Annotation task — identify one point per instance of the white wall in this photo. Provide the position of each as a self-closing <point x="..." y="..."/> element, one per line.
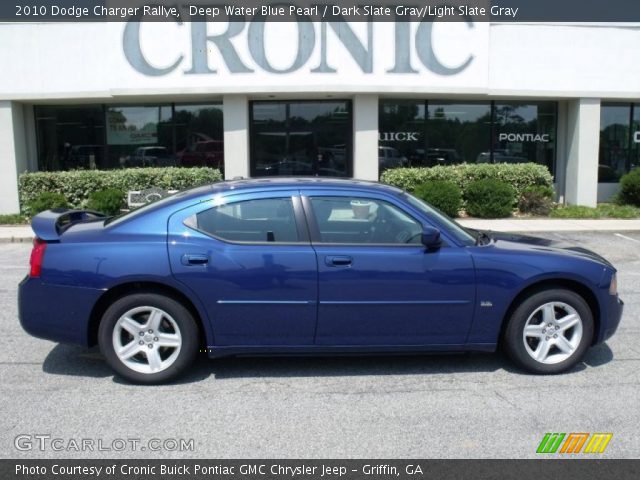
<point x="87" y="60"/>
<point x="574" y="60"/>
<point x="365" y="139"/>
<point x="236" y="136"/>
<point x="12" y="155"/>
<point x="583" y="140"/>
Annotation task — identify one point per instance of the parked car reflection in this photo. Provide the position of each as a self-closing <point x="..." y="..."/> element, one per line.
<point x="389" y="157"/>
<point x="203" y="153"/>
<point x="83" y="156"/>
<point x="153" y="156"/>
<point x="500" y="156"/>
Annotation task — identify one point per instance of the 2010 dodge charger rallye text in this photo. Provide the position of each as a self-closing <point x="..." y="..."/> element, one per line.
<point x="306" y="266"/>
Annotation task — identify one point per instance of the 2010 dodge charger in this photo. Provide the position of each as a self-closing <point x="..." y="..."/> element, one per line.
<point x="304" y="266"/>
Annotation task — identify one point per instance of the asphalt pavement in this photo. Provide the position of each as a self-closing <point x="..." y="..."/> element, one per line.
<point x="457" y="406"/>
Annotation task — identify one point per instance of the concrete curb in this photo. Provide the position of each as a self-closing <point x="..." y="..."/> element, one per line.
<point x="553" y="225"/>
<point x="16" y="239"/>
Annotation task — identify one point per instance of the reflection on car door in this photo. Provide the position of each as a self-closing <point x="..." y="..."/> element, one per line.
<point x="377" y="284"/>
<point x="250" y="262"/>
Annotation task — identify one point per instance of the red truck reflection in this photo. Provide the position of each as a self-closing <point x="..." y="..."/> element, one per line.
<point x="204" y="153"/>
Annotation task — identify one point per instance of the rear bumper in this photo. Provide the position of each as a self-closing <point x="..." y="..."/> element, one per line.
<point x="56" y="312"/>
<point x="610" y="319"/>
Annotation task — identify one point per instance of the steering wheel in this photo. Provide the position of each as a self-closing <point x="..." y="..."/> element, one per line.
<point x="405" y="236"/>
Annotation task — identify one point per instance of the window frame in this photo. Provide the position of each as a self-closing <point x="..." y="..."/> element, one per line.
<point x="298" y="215"/>
<point x="287" y="102"/>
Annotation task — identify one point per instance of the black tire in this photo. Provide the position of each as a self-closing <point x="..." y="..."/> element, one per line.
<point x="182" y="319"/>
<point x="514" y="343"/>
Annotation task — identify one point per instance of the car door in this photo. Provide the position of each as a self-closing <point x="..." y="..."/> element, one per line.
<point x="378" y="285"/>
<point x="248" y="259"/>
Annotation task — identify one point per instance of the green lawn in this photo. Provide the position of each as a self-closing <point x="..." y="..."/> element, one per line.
<point x="603" y="210"/>
<point x="14" y="219"/>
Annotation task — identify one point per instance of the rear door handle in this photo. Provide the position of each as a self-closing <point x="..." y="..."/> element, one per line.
<point x="338" y="261"/>
<point x="194" y="259"/>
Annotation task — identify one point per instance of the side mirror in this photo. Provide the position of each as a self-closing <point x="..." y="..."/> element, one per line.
<point x="431" y="238"/>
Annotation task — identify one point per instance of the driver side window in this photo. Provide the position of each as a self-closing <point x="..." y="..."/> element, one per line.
<point x="355" y="220"/>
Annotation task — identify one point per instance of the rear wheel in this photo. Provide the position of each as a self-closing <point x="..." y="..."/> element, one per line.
<point x="549" y="332"/>
<point x="148" y="338"/>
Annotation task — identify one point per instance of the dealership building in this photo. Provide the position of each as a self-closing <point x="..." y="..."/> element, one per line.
<point x="331" y="99"/>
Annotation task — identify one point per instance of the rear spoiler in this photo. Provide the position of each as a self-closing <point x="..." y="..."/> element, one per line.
<point x="50" y="224"/>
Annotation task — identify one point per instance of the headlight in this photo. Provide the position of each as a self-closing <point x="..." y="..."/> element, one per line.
<point x="613" y="286"/>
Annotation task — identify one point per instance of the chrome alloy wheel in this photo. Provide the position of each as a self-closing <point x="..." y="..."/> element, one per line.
<point x="552" y="332"/>
<point x="147" y="339"/>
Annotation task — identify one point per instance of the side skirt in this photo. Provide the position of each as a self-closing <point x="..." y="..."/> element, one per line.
<point x="323" y="350"/>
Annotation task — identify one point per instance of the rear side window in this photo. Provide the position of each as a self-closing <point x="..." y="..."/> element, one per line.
<point x="256" y="221"/>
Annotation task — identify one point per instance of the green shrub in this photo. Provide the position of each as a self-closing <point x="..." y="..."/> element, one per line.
<point x="106" y="201"/>
<point x="519" y="176"/>
<point x="630" y="188"/>
<point x="47" y="201"/>
<point x="77" y="185"/>
<point x="445" y="196"/>
<point x="489" y="198"/>
<point x="536" y="200"/>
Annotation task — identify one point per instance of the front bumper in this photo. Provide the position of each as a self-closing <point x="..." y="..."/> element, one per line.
<point x="610" y="318"/>
<point x="56" y="312"/>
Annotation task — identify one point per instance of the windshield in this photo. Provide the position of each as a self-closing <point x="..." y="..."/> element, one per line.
<point x="454" y="229"/>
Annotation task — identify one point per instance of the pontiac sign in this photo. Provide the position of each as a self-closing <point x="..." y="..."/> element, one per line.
<point x="412" y="49"/>
<point x="525" y="137"/>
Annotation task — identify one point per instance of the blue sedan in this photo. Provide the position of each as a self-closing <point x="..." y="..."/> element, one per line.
<point x="307" y="266"/>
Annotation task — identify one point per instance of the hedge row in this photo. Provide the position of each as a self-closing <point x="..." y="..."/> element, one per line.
<point x="78" y="185"/>
<point x="519" y="176"/>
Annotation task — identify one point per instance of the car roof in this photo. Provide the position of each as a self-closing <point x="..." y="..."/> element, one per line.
<point x="283" y="183"/>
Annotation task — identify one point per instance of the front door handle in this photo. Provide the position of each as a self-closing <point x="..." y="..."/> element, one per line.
<point x="194" y="259"/>
<point x="338" y="261"/>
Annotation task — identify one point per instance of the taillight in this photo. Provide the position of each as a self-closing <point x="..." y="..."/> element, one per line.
<point x="37" y="255"/>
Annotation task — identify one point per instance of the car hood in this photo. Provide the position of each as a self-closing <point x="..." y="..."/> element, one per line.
<point x="526" y="242"/>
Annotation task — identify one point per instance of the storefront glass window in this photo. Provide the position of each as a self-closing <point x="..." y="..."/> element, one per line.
<point x="301" y="138"/>
<point x="401" y="134"/>
<point x="70" y="137"/>
<point x="615" y="142"/>
<point x="525" y="132"/>
<point x="462" y="132"/>
<point x="458" y="132"/>
<point x="140" y="136"/>
<point x="103" y="137"/>
<point x="634" y="156"/>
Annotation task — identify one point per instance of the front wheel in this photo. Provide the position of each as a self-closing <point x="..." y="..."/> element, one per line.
<point x="148" y="338"/>
<point x="549" y="332"/>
